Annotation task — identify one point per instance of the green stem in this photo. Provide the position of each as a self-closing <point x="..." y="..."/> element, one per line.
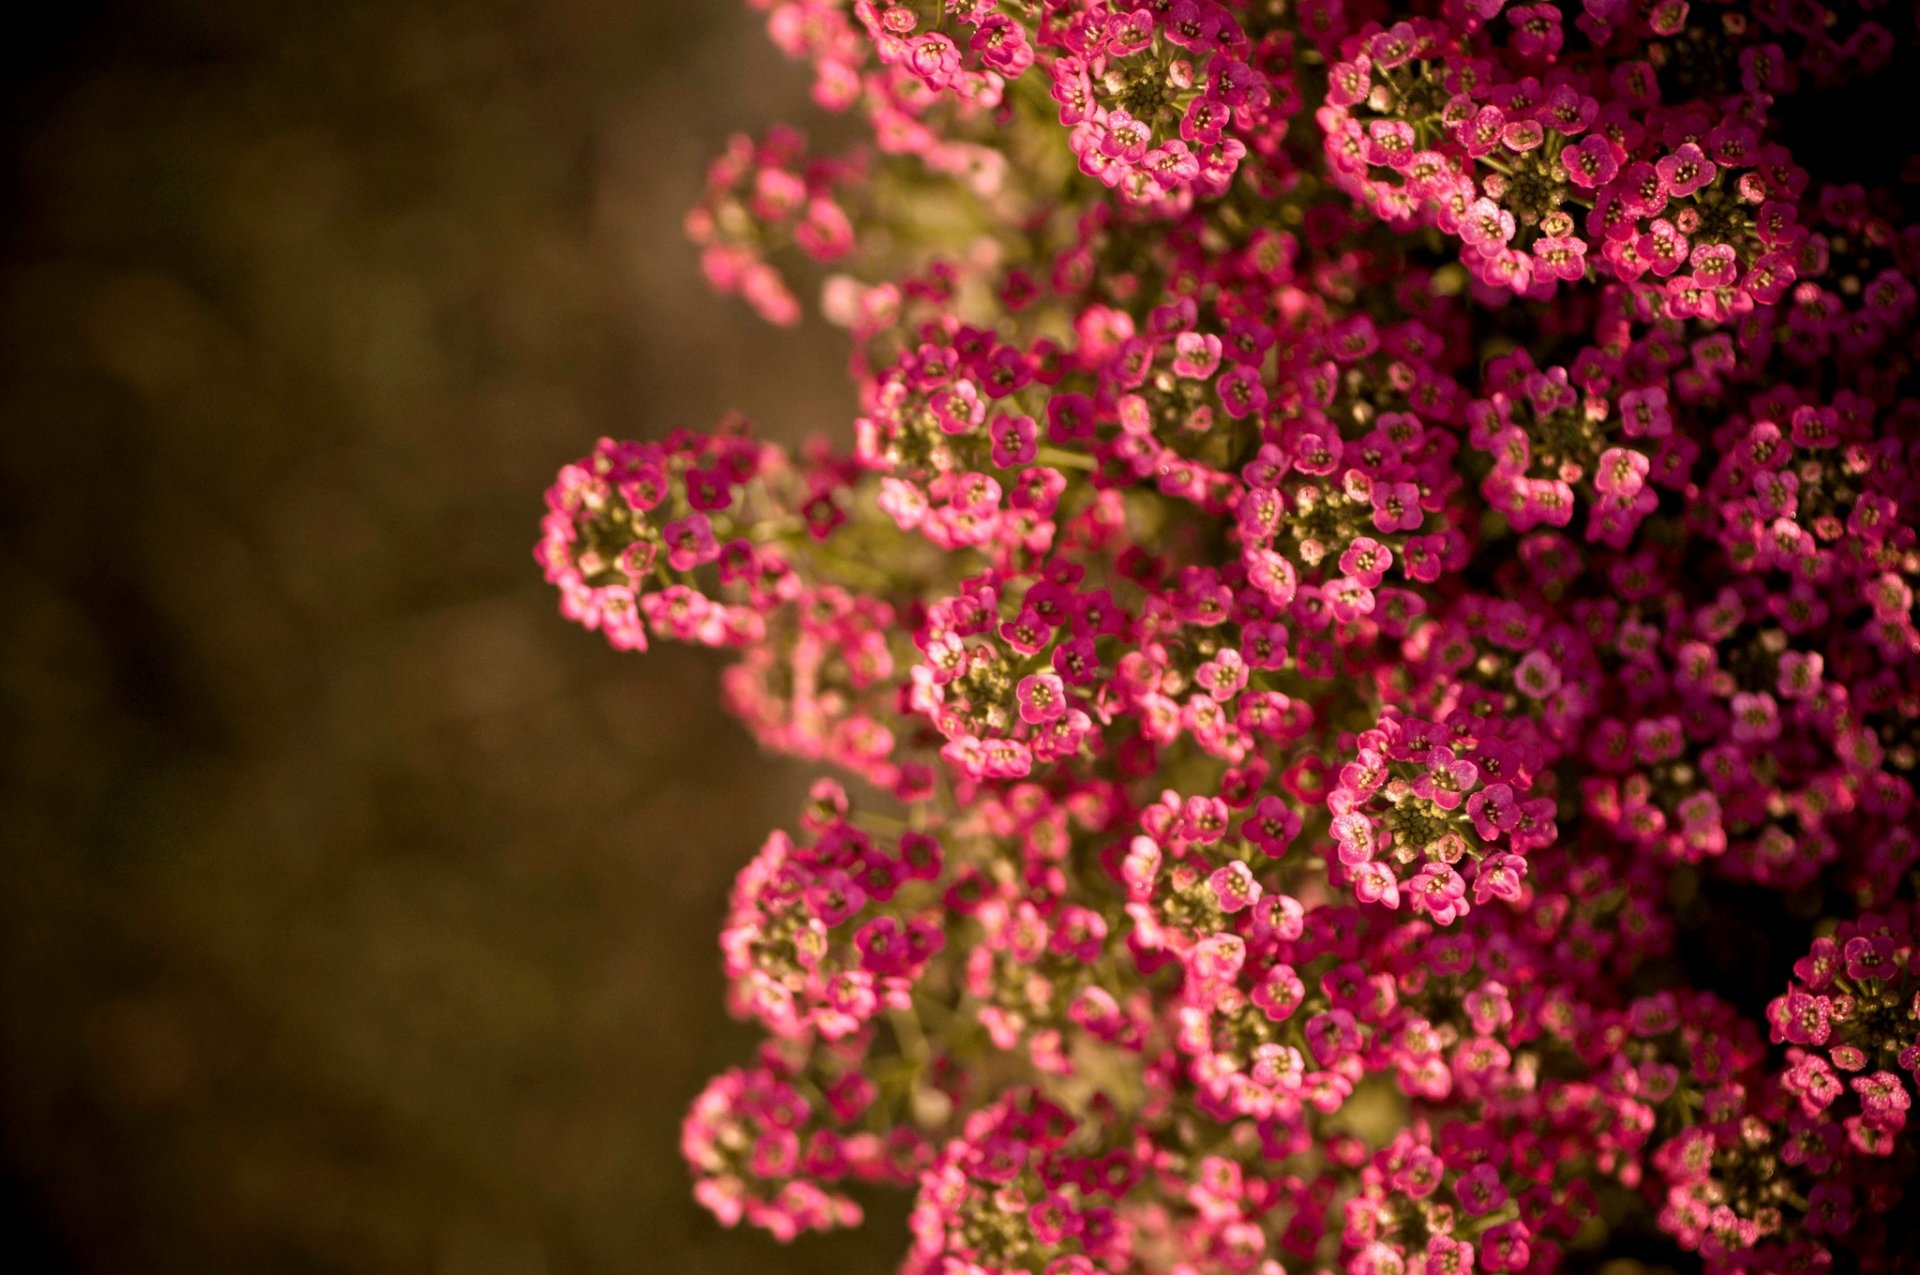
<point x="1061" y="459"/>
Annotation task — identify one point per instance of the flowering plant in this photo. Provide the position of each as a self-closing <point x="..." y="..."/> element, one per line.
<point x="1366" y="632"/>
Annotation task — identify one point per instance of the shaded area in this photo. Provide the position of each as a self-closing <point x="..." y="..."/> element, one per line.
<point x="1851" y="132"/>
<point x="362" y="913"/>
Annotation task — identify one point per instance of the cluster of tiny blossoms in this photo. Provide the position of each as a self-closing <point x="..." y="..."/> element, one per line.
<point x="1363" y="641"/>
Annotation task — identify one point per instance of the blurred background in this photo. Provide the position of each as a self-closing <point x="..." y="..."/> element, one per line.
<point x="359" y="914"/>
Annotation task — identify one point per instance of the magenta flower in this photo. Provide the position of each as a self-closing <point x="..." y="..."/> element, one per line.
<point x="1439" y="892"/>
<point x="1234" y="887"/>
<point x="1375" y="883"/>
<point x="934" y="59"/>
<point x="1224" y="675"/>
<point x="1280" y="993"/>
<point x="1487" y="226"/>
<point x="1367" y="560"/>
<point x="1621" y="471"/>
<point x="959" y="407"/>
<point x="1196" y="355"/>
<point x="1755" y="717"/>
<point x="1562" y="257"/>
<point x="1124" y="138"/>
<point x="690" y="542"/>
<point x="1447" y="778"/>
<point x="1685" y="171"/>
<point x="1042" y="696"/>
<point x="1271" y="826"/>
<point x="1459" y="458"/>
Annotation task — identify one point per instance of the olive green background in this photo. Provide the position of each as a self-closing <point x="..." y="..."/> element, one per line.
<point x="359" y="914"/>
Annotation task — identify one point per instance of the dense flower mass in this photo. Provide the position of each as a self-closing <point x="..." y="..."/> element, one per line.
<point x="1365" y="632"/>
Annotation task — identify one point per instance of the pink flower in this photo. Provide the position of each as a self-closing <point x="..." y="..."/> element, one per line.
<point x="1755" y="717"/>
<point x="1447" y="778"/>
<point x="1536" y="676"/>
<point x="959" y="407"/>
<point x="1480" y="1190"/>
<point x="1884" y="1100"/>
<point x="1002" y="44"/>
<point x="1500" y="876"/>
<point x="1375" y="883"/>
<point x="1644" y="413"/>
<point x="1280" y="993"/>
<point x="1196" y="355"/>
<point x="1487" y="226"/>
<point x="1042" y="696"/>
<point x="1686" y="171"/>
<point x="1563" y="257"/>
<point x="690" y="542"/>
<point x="1643" y="189"/>
<point x="1241" y="392"/>
<point x="1263" y="645"/>
<point x="1396" y="507"/>
<point x="1224" y="675"/>
<point x="1505" y="1248"/>
<point x="1332" y="1036"/>
<point x="1439" y="892"/>
<point x="1234" y="887"/>
<point x="1366" y="560"/>
<point x="1536" y="30"/>
<point x="1621" y="471"/>
<point x="934" y="58"/>
<point x="1271" y="826"/>
<point x="1493" y="810"/>
<point x="1124" y="138"/>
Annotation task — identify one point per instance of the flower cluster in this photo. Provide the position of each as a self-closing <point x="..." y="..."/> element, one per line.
<point x="764" y="198"/>
<point x="1366" y="625"/>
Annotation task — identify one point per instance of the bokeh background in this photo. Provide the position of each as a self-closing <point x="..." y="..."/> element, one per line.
<point x="358" y="914"/>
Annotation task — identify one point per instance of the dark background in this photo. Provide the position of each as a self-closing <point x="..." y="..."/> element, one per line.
<point x="358" y="913"/>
